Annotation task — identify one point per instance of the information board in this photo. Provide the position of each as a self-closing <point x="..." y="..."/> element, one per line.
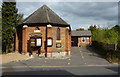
<point x="38" y="42"/>
<point x="49" y="42"/>
<point x="32" y="42"/>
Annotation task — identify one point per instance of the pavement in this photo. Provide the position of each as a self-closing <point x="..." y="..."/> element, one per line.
<point x="83" y="61"/>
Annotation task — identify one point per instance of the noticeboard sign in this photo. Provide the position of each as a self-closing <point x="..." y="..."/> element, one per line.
<point x="49" y="42"/>
<point x="38" y="41"/>
<point x="32" y="42"/>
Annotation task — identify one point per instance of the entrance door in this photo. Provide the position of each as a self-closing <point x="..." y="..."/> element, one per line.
<point x="34" y="44"/>
<point x="74" y="41"/>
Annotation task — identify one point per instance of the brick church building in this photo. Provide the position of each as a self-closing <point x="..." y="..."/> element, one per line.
<point x="44" y="31"/>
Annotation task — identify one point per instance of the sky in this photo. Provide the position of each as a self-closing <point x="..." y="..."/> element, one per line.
<point x="77" y="14"/>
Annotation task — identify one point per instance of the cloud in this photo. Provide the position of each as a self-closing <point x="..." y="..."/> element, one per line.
<point x="77" y="14"/>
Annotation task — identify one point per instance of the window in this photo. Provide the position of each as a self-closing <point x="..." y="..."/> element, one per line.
<point x="58" y="34"/>
<point x="87" y="38"/>
<point x="83" y="39"/>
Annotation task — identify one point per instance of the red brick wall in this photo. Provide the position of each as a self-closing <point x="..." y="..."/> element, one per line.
<point x="68" y="40"/>
<point x="87" y="41"/>
<point x="51" y="32"/>
<point x="16" y="43"/>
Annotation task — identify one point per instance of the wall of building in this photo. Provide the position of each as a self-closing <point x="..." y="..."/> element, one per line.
<point x="51" y="32"/>
<point x="86" y="43"/>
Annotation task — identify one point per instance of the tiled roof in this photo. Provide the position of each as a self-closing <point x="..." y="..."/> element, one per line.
<point x="44" y="15"/>
<point x="81" y="33"/>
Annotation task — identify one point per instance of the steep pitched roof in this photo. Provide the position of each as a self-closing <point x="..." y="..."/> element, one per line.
<point x="81" y="33"/>
<point x="45" y="15"/>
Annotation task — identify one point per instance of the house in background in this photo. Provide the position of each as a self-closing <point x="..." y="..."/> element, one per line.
<point x="44" y="31"/>
<point x="81" y="38"/>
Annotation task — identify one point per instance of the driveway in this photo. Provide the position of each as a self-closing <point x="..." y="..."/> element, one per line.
<point x="86" y="56"/>
<point x="79" y="57"/>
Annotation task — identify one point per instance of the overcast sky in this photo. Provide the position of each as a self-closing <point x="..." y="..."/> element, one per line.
<point x="77" y="14"/>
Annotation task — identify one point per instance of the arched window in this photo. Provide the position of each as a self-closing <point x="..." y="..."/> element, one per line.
<point x="58" y="33"/>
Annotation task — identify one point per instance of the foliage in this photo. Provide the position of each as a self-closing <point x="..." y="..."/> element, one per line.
<point x="102" y="37"/>
<point x="79" y="29"/>
<point x="10" y="20"/>
<point x="92" y="28"/>
<point x="0" y="20"/>
<point x="117" y="28"/>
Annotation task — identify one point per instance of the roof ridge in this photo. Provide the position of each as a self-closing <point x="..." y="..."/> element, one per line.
<point x="47" y="15"/>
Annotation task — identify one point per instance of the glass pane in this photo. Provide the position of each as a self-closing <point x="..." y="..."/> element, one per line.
<point x="58" y="34"/>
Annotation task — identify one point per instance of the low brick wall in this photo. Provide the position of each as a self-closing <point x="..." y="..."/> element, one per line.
<point x="53" y="54"/>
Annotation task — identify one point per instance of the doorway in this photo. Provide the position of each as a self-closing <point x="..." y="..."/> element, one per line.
<point x="35" y="43"/>
<point x="74" y="41"/>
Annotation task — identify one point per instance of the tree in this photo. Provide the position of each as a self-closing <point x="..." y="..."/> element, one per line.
<point x="0" y="20"/>
<point x="111" y="36"/>
<point x="10" y="20"/>
<point x="92" y="28"/>
<point x="105" y="36"/>
<point x="117" y="28"/>
<point x="79" y="29"/>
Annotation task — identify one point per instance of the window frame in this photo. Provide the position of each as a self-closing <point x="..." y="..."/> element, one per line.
<point x="58" y="34"/>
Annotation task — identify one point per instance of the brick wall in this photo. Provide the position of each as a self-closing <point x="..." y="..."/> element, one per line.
<point x="16" y="43"/>
<point x="65" y="39"/>
<point x="87" y="41"/>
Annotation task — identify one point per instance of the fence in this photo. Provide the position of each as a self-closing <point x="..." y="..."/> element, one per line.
<point x="104" y="46"/>
<point x="106" y="50"/>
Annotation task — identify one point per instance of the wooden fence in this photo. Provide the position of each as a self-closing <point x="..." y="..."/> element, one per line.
<point x="105" y="46"/>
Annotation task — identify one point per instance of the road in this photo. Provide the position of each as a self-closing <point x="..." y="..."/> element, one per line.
<point x="83" y="62"/>
<point x="59" y="70"/>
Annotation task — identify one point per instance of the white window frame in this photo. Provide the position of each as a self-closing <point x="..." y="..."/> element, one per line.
<point x="87" y="38"/>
